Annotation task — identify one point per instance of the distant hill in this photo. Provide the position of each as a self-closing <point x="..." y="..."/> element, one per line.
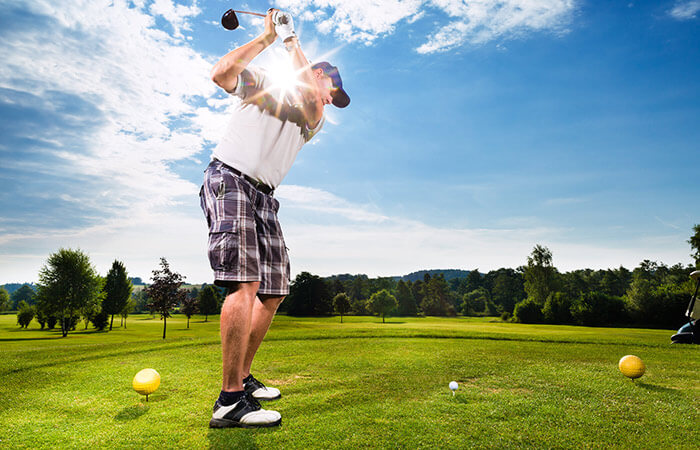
<point x="449" y="274"/>
<point x="412" y="277"/>
<point x="12" y="287"/>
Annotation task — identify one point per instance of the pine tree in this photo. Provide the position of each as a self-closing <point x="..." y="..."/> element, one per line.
<point x="117" y="290"/>
<point x="404" y="296"/>
<point x="189" y="307"/>
<point x="208" y="302"/>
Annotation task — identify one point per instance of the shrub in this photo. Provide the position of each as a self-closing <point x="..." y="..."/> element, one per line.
<point x="100" y="320"/>
<point x="557" y="308"/>
<point x="528" y="311"/>
<point x="25" y="314"/>
<point x="596" y="309"/>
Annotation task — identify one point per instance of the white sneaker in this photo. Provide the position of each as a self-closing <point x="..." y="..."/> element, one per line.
<point x="245" y="413"/>
<point x="258" y="390"/>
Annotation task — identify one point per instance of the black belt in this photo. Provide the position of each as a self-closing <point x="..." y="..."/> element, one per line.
<point x="262" y="187"/>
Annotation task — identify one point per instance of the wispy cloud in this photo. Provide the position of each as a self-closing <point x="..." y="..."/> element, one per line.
<point x="126" y="106"/>
<point x="473" y="22"/>
<point x="312" y="199"/>
<point x="667" y="223"/>
<point x="177" y="15"/>
<point x="685" y="10"/>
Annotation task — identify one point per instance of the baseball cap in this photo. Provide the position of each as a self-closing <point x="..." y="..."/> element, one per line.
<point x="340" y="97"/>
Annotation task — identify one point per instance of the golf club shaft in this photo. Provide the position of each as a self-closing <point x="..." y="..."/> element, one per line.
<point x="249" y="12"/>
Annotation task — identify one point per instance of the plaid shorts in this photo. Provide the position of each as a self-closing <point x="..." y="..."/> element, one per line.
<point x="245" y="237"/>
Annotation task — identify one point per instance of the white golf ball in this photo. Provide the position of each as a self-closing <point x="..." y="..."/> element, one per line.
<point x="453" y="385"/>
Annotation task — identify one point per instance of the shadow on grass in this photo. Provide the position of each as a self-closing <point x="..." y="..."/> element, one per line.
<point x="44" y="338"/>
<point x="166" y="345"/>
<point x="655" y="388"/>
<point x="238" y="438"/>
<point x="131" y="412"/>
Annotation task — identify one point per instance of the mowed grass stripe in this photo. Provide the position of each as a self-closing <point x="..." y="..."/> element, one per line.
<point x="360" y="391"/>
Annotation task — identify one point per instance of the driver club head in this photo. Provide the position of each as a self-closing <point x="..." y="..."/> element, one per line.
<point x="229" y="20"/>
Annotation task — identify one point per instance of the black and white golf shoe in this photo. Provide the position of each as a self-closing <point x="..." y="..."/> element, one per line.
<point x="245" y="413"/>
<point x="258" y="390"/>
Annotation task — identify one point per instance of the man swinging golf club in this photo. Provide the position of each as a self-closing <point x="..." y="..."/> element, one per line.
<point x="246" y="246"/>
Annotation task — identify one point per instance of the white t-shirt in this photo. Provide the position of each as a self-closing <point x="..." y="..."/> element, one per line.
<point x="264" y="133"/>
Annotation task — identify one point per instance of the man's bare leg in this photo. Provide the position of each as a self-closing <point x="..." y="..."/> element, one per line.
<point x="264" y="310"/>
<point x="236" y="322"/>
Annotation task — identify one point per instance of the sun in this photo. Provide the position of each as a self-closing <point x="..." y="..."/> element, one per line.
<point x="283" y="76"/>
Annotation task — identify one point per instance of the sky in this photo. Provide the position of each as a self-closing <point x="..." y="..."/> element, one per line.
<point x="476" y="130"/>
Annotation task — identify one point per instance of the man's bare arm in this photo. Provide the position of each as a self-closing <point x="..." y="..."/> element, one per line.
<point x="313" y="105"/>
<point x="225" y="72"/>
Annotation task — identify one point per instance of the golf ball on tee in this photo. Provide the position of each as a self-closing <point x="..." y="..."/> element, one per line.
<point x="146" y="381"/>
<point x="453" y="385"/>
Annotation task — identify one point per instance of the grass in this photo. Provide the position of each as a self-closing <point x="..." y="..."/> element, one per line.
<point x="357" y="384"/>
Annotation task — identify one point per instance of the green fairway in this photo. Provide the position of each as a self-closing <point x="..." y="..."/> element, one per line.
<point x="357" y="384"/>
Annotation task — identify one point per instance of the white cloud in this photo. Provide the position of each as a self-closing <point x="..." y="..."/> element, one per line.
<point x="685" y="10"/>
<point x="145" y="87"/>
<point x="481" y="21"/>
<point x="353" y="20"/>
<point x="474" y="22"/>
<point x="176" y="15"/>
<point x="312" y="199"/>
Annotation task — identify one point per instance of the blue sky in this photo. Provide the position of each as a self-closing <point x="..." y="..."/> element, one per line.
<point x="476" y="130"/>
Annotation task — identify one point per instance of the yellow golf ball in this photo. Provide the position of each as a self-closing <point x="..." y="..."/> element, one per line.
<point x="632" y="366"/>
<point x="146" y="381"/>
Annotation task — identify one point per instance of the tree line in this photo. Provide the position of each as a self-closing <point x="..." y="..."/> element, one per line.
<point x="70" y="291"/>
<point x="651" y="295"/>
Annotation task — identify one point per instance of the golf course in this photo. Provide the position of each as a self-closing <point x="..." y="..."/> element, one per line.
<point x="362" y="383"/>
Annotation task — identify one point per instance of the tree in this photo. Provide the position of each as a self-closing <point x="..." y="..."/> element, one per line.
<point x="117" y="290"/>
<point x="25" y="293"/>
<point x="142" y="300"/>
<point x="189" y="307"/>
<point x="359" y="288"/>
<point x="473" y="281"/>
<point x="507" y="288"/>
<point x="694" y="242"/>
<point x="67" y="284"/>
<point x="90" y="310"/>
<point x="128" y="309"/>
<point x="25" y="314"/>
<point x="596" y="309"/>
<point x="341" y="303"/>
<point x="474" y="302"/>
<point x="382" y="303"/>
<point x="208" y="302"/>
<point x="4" y="299"/>
<point x="308" y="296"/>
<point x="541" y="277"/>
<point x="528" y="311"/>
<point x="165" y="292"/>
<point x="557" y="308"/>
<point x="404" y="296"/>
<point x="437" y="298"/>
<point x="100" y="320"/>
<point x="40" y="317"/>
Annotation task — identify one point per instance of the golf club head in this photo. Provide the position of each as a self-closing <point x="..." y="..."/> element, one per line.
<point x="229" y="20"/>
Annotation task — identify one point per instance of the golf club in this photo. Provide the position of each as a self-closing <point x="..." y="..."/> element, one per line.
<point x="230" y="21"/>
